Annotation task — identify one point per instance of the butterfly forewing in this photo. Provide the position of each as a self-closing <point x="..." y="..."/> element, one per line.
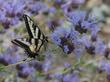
<point x="32" y="28"/>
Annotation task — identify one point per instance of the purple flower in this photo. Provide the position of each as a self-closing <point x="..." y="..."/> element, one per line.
<point x="9" y="56"/>
<point x="83" y="23"/>
<point x="79" y="51"/>
<point x="66" y="65"/>
<point x="7" y="59"/>
<point x="52" y="10"/>
<point x="56" y="39"/>
<point x="69" y="40"/>
<point x="66" y="49"/>
<point x="107" y="53"/>
<point x="2" y="15"/>
<point x="69" y="5"/>
<point x="36" y="6"/>
<point x="99" y="46"/>
<point x="105" y="66"/>
<point x="14" y="8"/>
<point x="55" y="81"/>
<point x="36" y="65"/>
<point x="76" y="16"/>
<point x="53" y="23"/>
<point x="62" y="37"/>
<point x="3" y="61"/>
<point x="20" y="67"/>
<point x="58" y="2"/>
<point x="46" y="65"/>
<point x="25" y="72"/>
<point x="57" y="76"/>
<point x="14" y="21"/>
<point x="80" y="36"/>
<point x="10" y="12"/>
<point x="71" y="77"/>
<point x="85" y="40"/>
<point x="96" y="46"/>
<point x="78" y="2"/>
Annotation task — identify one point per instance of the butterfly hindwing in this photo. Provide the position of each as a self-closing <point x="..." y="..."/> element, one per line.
<point x="22" y="42"/>
<point x="32" y="47"/>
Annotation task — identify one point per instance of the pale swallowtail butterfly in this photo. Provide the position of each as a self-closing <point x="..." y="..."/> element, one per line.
<point x="34" y="42"/>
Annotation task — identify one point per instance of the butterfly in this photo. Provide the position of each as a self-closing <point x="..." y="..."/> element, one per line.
<point x="36" y="39"/>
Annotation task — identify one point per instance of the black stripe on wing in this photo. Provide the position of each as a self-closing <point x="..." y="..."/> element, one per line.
<point x="32" y="28"/>
<point x="20" y="44"/>
<point x="39" y="44"/>
<point x="27" y="26"/>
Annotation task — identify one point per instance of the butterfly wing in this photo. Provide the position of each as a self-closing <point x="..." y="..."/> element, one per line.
<point x="32" y="28"/>
<point x="22" y="42"/>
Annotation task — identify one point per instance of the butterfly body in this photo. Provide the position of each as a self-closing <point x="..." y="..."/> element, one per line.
<point x="35" y="40"/>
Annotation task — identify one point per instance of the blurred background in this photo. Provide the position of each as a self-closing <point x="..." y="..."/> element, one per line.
<point x="75" y="62"/>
